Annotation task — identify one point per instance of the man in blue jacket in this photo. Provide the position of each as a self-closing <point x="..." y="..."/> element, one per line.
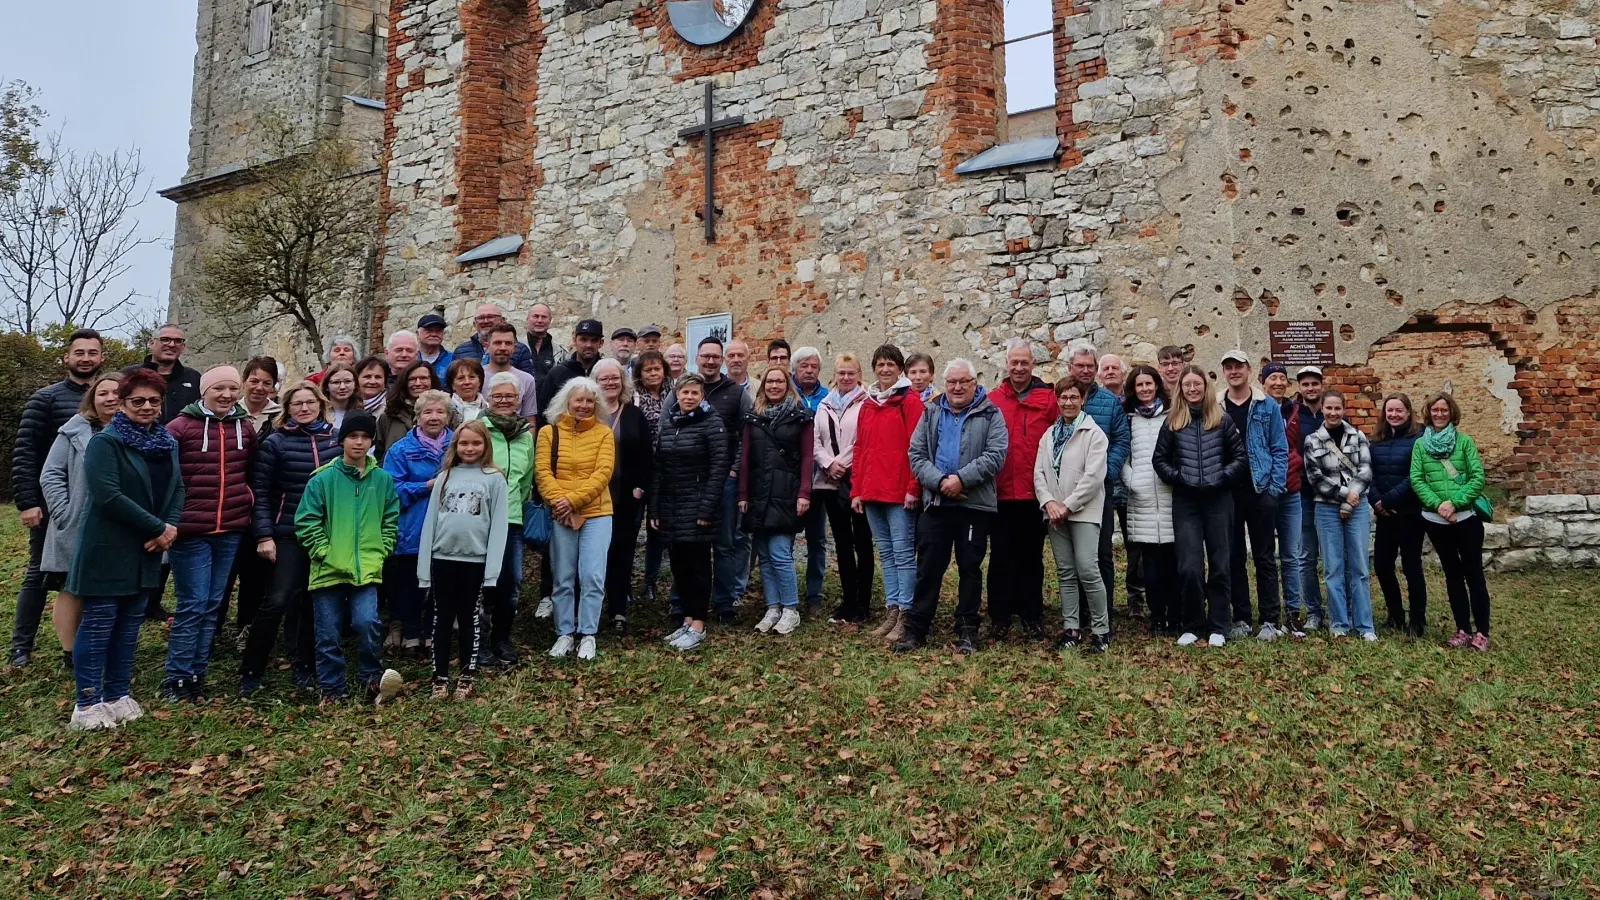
<point x="1106" y="410"/>
<point x="1255" y="502"/>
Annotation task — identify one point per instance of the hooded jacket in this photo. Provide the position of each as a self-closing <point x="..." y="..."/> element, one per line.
<point x="214" y="456"/>
<point x="981" y="452"/>
<point x="580" y="472"/>
<point x="691" y="468"/>
<point x="284" y="463"/>
<point x="1195" y="460"/>
<point x="1149" y="498"/>
<point x="42" y="418"/>
<point x="349" y="522"/>
<point x="882" y="472"/>
<point x="1266" y="442"/>
<point x="61" y="480"/>
<point x="1027" y="417"/>
<point x="836" y="429"/>
<point x="514" y="459"/>
<point x="775" y="471"/>
<point x="412" y="465"/>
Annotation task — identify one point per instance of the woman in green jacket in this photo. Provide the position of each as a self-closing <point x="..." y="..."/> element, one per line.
<point x="511" y="446"/>
<point x="1448" y="478"/>
<point x="134" y="496"/>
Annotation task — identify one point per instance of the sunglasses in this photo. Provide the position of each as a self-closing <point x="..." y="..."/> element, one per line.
<point x="137" y="402"/>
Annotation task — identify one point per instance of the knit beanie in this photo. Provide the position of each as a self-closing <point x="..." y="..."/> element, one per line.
<point x="357" y="421"/>
<point x="219" y="375"/>
<point x="1272" y="368"/>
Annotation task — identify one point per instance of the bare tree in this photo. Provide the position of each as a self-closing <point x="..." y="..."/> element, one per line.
<point x="295" y="242"/>
<point x="66" y="237"/>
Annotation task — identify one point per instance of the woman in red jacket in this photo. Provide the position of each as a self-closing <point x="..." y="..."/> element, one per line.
<point x="215" y="444"/>
<point x="883" y="488"/>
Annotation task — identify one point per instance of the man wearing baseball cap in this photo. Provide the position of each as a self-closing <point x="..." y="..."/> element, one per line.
<point x="430" y="340"/>
<point x="587" y="340"/>
<point x="622" y="341"/>
<point x="649" y="339"/>
<point x="1255" y="502"/>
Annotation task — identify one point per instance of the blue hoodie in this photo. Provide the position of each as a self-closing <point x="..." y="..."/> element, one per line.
<point x="947" y="455"/>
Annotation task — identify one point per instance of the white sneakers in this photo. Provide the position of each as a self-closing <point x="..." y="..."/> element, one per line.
<point x="546" y="609"/>
<point x="770" y="619"/>
<point x="1217" y="639"/>
<point x="788" y="622"/>
<point x="677" y="634"/>
<point x="91" y="718"/>
<point x="1269" y="632"/>
<point x="1370" y="637"/>
<point x="689" y="640"/>
<point x="1189" y="639"/>
<point x="561" y="647"/>
<point x="124" y="710"/>
<point x="389" y="685"/>
<point x="586" y="647"/>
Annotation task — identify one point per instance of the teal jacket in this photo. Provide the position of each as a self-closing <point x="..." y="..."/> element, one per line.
<point x="348" y="521"/>
<point x="1432" y="483"/>
<point x="110" y="560"/>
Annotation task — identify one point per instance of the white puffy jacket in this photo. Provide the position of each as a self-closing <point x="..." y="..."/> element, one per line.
<point x="1149" y="498"/>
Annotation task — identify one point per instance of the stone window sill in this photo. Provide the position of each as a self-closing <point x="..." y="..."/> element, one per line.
<point x="1016" y="153"/>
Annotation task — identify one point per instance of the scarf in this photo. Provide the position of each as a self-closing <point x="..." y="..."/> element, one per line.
<point x="374" y="405"/>
<point x="679" y="417"/>
<point x="1154" y="409"/>
<point x="879" y="396"/>
<point x="510" y="426"/>
<point x="151" y="443"/>
<point x="840" y="401"/>
<point x="432" y="445"/>
<point x="1439" y="444"/>
<point x="650" y="405"/>
<point x="1060" y="434"/>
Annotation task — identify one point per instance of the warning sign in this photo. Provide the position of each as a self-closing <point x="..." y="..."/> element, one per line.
<point x="1308" y="343"/>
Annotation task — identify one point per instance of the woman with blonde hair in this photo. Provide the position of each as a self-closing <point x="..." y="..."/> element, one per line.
<point x="575" y="457"/>
<point x="61" y="483"/>
<point x="1201" y="454"/>
<point x="775" y="491"/>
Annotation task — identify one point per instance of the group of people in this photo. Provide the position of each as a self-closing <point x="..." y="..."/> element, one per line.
<point x="413" y="482"/>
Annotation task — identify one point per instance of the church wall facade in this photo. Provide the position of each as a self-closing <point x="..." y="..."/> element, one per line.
<point x="1422" y="174"/>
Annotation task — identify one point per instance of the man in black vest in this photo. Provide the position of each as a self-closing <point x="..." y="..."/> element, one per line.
<point x="42" y="416"/>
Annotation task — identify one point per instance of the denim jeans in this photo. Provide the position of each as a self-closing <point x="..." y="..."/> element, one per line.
<point x="733" y="552"/>
<point x="1290" y="550"/>
<point x="200" y="568"/>
<point x="892" y="530"/>
<point x="1076" y="548"/>
<point x="102" y="653"/>
<point x="578" y="561"/>
<point x="334" y="607"/>
<point x="1344" y="554"/>
<point x="1310" y="581"/>
<point x="816" y="522"/>
<point x="780" y="583"/>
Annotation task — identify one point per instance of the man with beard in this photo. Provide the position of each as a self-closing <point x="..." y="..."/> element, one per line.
<point x="183" y="383"/>
<point x="622" y="341"/>
<point x="1107" y="412"/>
<point x="42" y="416"/>
<point x="502" y="349"/>
<point x="587" y="341"/>
<point x="649" y="339"/>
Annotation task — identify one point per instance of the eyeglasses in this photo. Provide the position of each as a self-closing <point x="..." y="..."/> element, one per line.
<point x="503" y="398"/>
<point x="171" y="341"/>
<point x="959" y="382"/>
<point x="142" y="401"/>
<point x="303" y="404"/>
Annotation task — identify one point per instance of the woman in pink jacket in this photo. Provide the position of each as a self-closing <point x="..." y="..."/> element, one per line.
<point x="834" y="444"/>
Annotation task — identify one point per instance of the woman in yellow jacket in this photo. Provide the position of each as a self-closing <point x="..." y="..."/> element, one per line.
<point x="574" y="461"/>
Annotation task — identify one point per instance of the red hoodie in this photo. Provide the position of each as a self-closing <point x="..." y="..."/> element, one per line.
<point x="1027" y="420"/>
<point x="882" y="472"/>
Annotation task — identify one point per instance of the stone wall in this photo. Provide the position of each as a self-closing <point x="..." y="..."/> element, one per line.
<point x="1555" y="530"/>
<point x="1224" y="164"/>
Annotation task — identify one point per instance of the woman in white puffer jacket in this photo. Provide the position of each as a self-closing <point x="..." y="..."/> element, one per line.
<point x="1150" y="499"/>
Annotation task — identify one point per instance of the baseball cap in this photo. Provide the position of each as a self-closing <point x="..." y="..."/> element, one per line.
<point x="623" y="332"/>
<point x="650" y="331"/>
<point x="1237" y="356"/>
<point x="590" y="328"/>
<point x="432" y="320"/>
<point x="1308" y="370"/>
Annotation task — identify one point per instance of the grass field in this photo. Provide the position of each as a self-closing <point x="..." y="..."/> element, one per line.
<point x="822" y="766"/>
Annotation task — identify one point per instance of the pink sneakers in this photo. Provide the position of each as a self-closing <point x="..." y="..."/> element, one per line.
<point x="1480" y="641"/>
<point x="1461" y="639"/>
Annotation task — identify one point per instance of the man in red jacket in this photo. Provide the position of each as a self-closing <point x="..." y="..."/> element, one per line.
<point x="1016" y="561"/>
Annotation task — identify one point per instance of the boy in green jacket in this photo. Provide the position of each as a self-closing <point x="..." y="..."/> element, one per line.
<point x="348" y="521"/>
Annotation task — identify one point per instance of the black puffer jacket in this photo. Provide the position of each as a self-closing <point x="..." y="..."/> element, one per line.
<point x="691" y="469"/>
<point x="284" y="463"/>
<point x="776" y="470"/>
<point x="42" y="416"/>
<point x="1201" y="461"/>
<point x="1391" y="474"/>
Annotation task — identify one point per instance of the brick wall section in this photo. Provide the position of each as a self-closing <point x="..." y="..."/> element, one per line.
<point x="1072" y="70"/>
<point x="741" y="51"/>
<point x="969" y="90"/>
<point x="395" y="90"/>
<point x="498" y="90"/>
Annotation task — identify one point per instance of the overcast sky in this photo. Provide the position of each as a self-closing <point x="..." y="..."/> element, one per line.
<point x="114" y="74"/>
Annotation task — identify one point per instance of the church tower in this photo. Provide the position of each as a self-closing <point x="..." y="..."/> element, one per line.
<point x="316" y="65"/>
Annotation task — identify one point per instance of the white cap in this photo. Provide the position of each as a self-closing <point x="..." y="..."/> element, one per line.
<point x="1307" y="370"/>
<point x="1237" y="356"/>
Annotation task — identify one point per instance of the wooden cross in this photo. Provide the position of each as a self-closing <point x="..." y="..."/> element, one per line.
<point x="707" y="131"/>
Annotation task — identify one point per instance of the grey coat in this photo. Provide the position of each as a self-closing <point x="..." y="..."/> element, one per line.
<point x="984" y="442"/>
<point x="61" y="481"/>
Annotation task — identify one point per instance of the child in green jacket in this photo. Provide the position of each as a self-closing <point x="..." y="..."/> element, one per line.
<point x="348" y="521"/>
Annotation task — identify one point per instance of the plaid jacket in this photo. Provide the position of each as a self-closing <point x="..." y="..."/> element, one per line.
<point x="1331" y="479"/>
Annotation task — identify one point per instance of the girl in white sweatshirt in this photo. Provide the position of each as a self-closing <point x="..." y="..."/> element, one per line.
<point x="463" y="541"/>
